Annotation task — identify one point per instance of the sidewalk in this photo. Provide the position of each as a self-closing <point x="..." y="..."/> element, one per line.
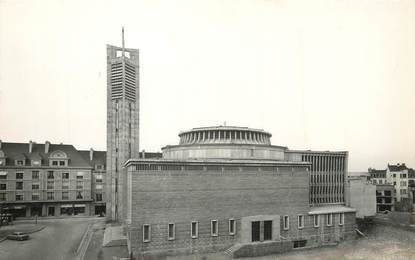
<point x="25" y="228"/>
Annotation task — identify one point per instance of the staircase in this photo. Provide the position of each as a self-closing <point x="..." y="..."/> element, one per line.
<point x="229" y="252"/>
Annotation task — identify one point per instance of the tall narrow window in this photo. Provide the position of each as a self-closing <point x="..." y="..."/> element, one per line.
<point x="255" y="231"/>
<point x="268" y="230"/>
<point x="171" y="231"/>
<point x="316" y="220"/>
<point x="286" y="223"/>
<point x="329" y="218"/>
<point x="194" y="229"/>
<point x="146" y="233"/>
<point x="300" y="221"/>
<point x="232" y="227"/>
<point x="214" y="228"/>
<point x="341" y="219"/>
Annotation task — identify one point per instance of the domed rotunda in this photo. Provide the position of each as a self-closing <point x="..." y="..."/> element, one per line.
<point x="224" y="142"/>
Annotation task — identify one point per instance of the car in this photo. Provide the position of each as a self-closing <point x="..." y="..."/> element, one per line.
<point x="20" y="236"/>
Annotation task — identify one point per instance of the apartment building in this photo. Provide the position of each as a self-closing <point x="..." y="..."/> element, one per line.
<point x="46" y="180"/>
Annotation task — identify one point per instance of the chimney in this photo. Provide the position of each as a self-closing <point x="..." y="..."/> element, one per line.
<point x="91" y="154"/>
<point x="30" y="146"/>
<point x="47" y="144"/>
<point x="143" y="154"/>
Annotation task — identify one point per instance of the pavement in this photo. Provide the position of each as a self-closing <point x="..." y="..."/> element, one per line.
<point x="59" y="240"/>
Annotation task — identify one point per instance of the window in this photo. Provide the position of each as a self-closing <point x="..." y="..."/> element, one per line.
<point x="65" y="185"/>
<point x="214" y="228"/>
<point x="35" y="186"/>
<point x="19" y="175"/>
<point x="98" y="178"/>
<point x="98" y="197"/>
<point x="19" y="185"/>
<point x="50" y="175"/>
<point x="341" y="219"/>
<point x="394" y="175"/>
<point x="80" y="175"/>
<point x="80" y="185"/>
<point x="394" y="183"/>
<point x="286" y="223"/>
<point x="79" y="195"/>
<point x="19" y="196"/>
<point x="316" y="220"/>
<point x="403" y="175"/>
<point x="65" y="175"/>
<point x="329" y="219"/>
<point x="255" y="231"/>
<point x="380" y="182"/>
<point x="146" y="233"/>
<point x="50" y="196"/>
<point x="61" y="163"/>
<point x="3" y="175"/>
<point x="19" y="162"/>
<point x="55" y="163"/>
<point x="300" y="221"/>
<point x="374" y="182"/>
<point x="403" y="183"/>
<point x="299" y="243"/>
<point x="50" y="185"/>
<point x="3" y="196"/>
<point x="35" y="196"/>
<point x="100" y="167"/>
<point x="3" y="186"/>
<point x="388" y="193"/>
<point x="65" y="195"/>
<point x="35" y="175"/>
<point x="171" y="231"/>
<point x="232" y="227"/>
<point x="267" y="230"/>
<point x="403" y="191"/>
<point x="194" y="229"/>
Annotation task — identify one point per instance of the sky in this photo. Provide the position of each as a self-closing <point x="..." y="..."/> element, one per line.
<point x="321" y="75"/>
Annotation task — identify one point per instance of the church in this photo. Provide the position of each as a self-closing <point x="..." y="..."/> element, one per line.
<point x="220" y="189"/>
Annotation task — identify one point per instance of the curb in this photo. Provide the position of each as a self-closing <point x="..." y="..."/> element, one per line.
<point x="84" y="244"/>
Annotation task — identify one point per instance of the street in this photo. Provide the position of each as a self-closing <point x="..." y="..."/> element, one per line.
<point x="58" y="241"/>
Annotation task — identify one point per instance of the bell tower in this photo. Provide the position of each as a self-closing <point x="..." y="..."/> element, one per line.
<point x="122" y="123"/>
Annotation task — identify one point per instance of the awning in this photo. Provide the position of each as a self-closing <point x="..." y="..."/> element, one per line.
<point x="3" y="173"/>
<point x="79" y="205"/>
<point x="79" y="174"/>
<point x="330" y="209"/>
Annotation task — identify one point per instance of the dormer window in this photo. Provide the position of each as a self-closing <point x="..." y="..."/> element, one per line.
<point x="19" y="162"/>
<point x="58" y="159"/>
<point x="35" y="162"/>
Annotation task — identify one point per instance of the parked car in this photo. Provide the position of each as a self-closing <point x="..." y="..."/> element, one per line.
<point x="18" y="236"/>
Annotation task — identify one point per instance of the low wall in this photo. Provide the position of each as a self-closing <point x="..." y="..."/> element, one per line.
<point x="264" y="248"/>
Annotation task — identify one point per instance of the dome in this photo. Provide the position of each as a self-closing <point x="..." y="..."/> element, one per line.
<point x="225" y="135"/>
<point x="224" y="142"/>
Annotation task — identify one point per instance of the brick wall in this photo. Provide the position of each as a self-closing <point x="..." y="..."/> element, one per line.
<point x="162" y="197"/>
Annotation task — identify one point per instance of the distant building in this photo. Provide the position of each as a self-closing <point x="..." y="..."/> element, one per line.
<point x="398" y="175"/>
<point x="361" y="194"/>
<point x="49" y="180"/>
<point x="385" y="198"/>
